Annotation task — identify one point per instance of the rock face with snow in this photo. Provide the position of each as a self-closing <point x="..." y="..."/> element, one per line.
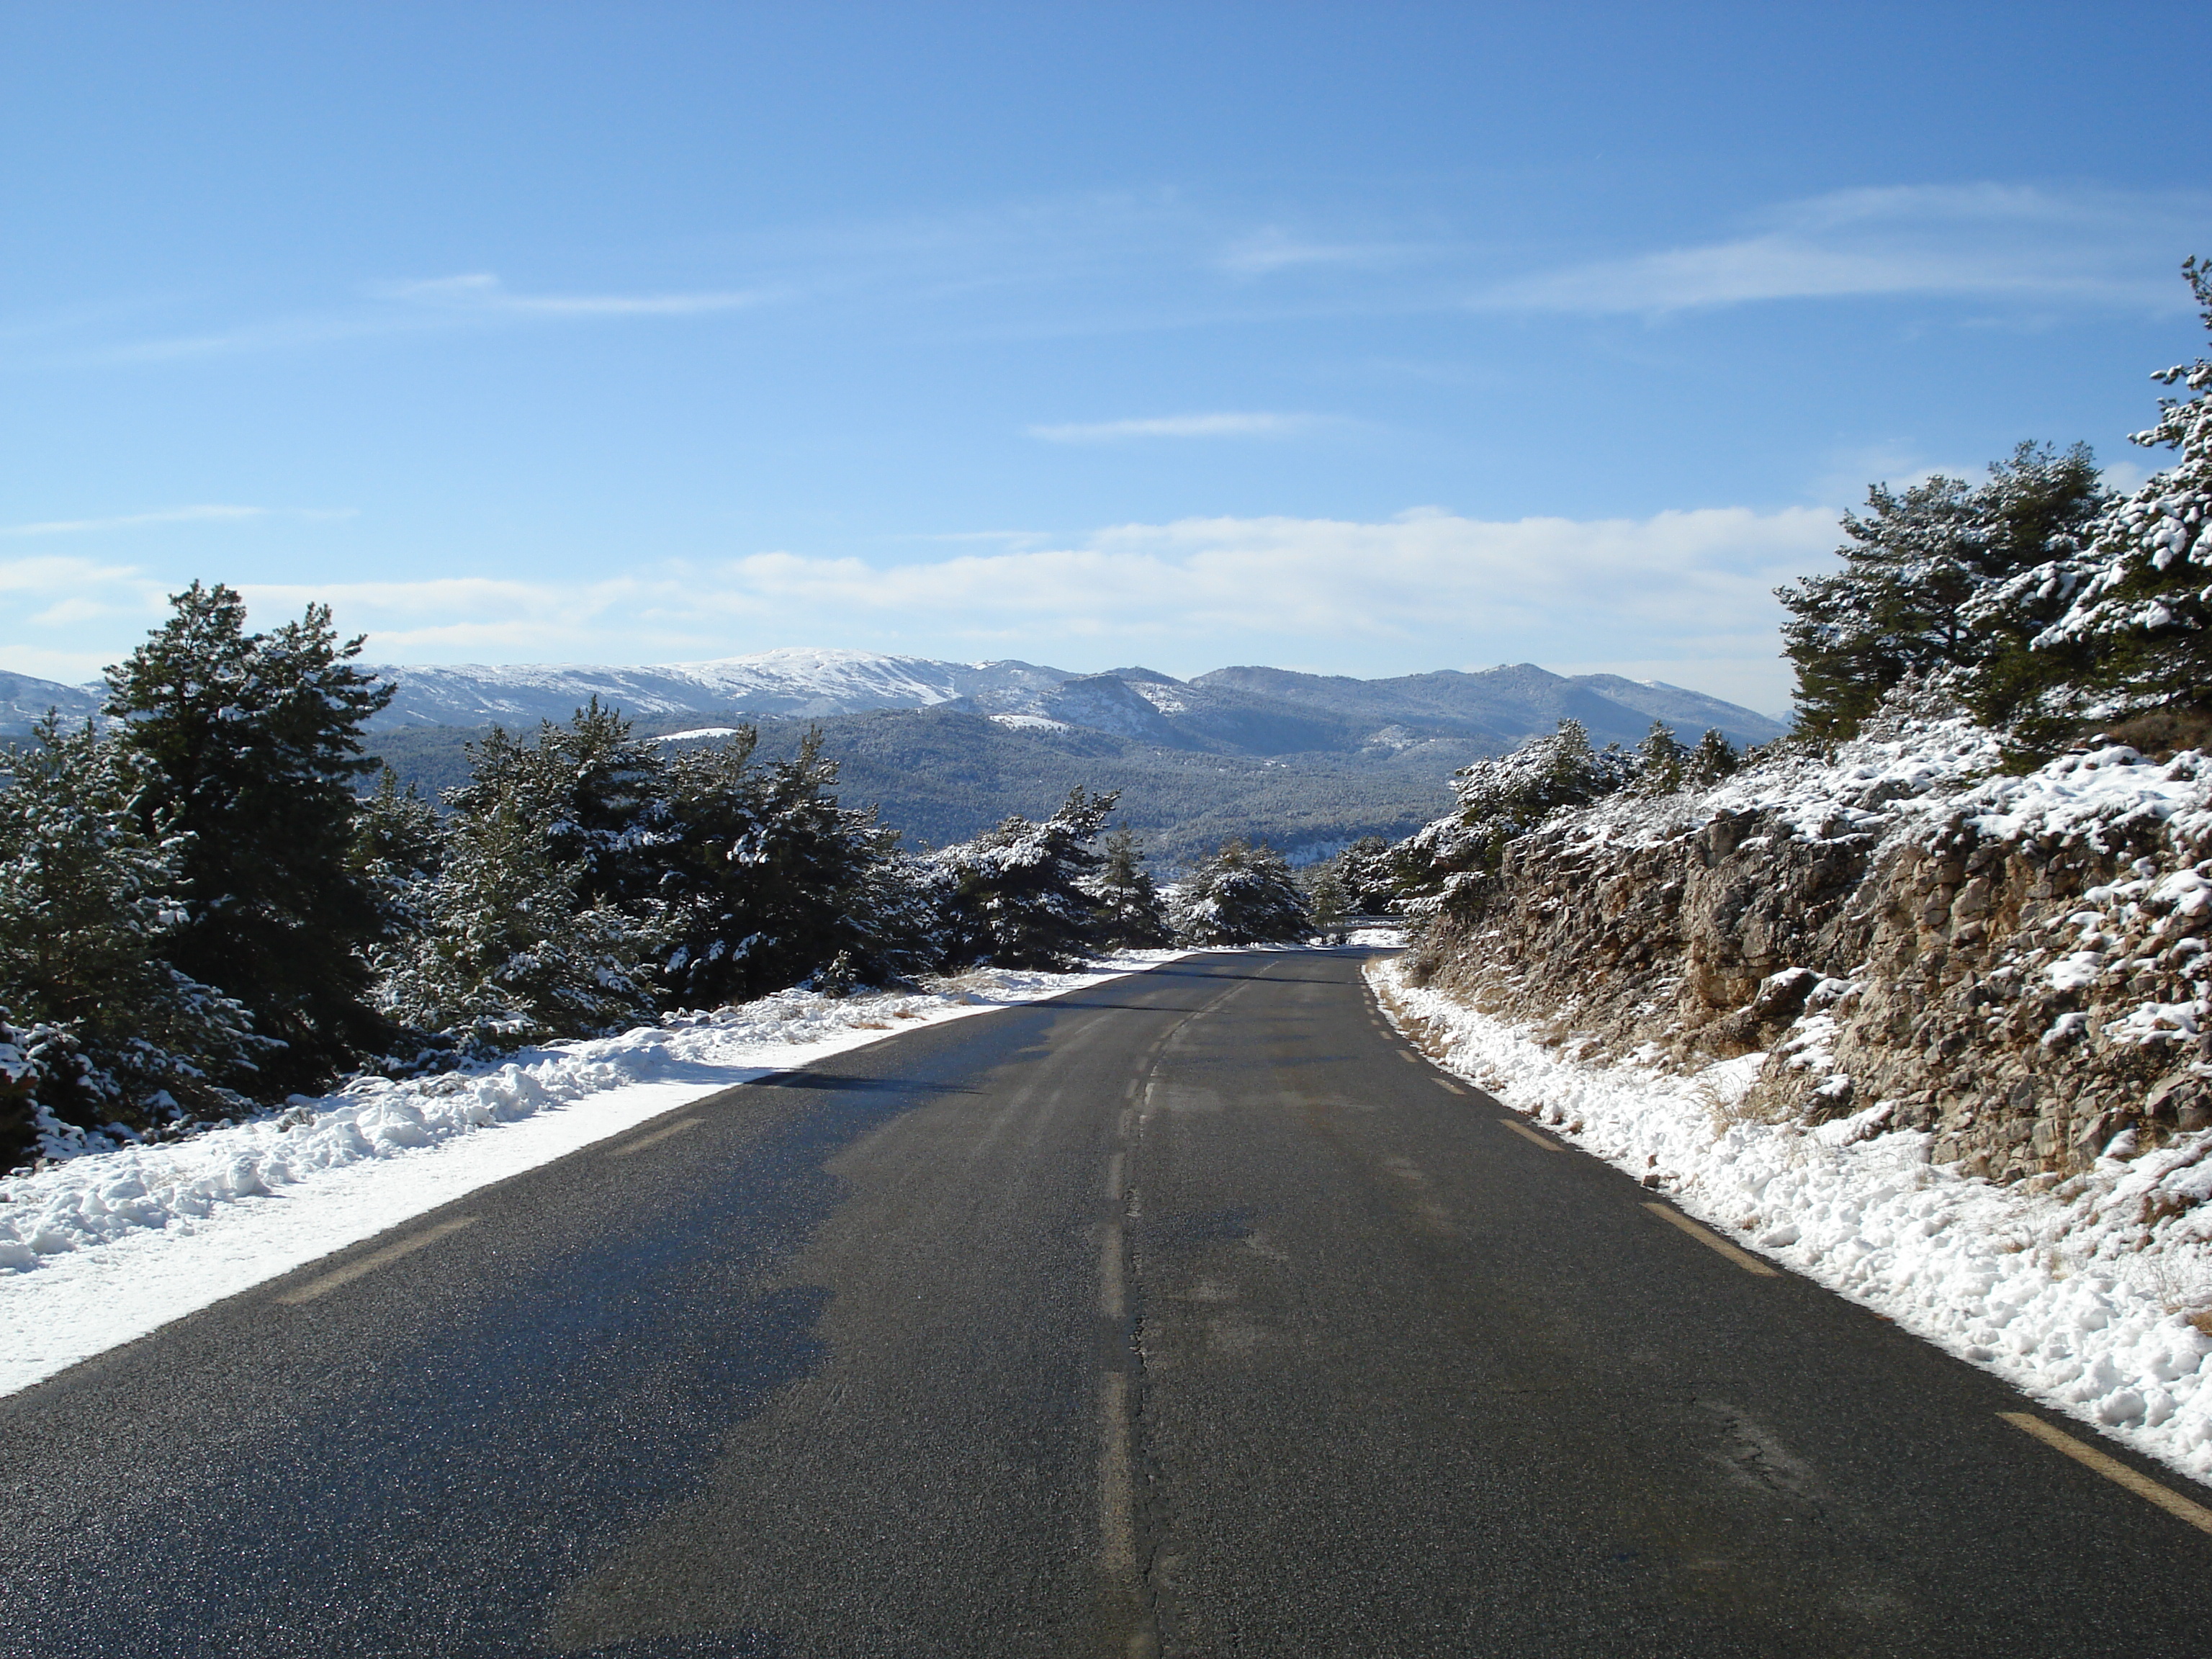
<point x="2016" y="965"/>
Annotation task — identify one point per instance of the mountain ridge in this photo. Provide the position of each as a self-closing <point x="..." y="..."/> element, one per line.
<point x="1246" y="709"/>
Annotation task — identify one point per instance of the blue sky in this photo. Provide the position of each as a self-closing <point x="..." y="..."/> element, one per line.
<point x="1367" y="338"/>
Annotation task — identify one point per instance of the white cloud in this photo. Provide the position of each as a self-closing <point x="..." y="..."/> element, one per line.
<point x="199" y="515"/>
<point x="1273" y="250"/>
<point x="1685" y="595"/>
<point x="1984" y="241"/>
<point x="1420" y="591"/>
<point x="482" y="292"/>
<point x="472" y="299"/>
<point x="1252" y="425"/>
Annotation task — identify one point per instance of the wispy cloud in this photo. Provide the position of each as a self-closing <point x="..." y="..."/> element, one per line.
<point x="1984" y="241"/>
<point x="482" y="293"/>
<point x="1120" y="262"/>
<point x="472" y="299"/>
<point x="1225" y="425"/>
<point x="1272" y="250"/>
<point x="205" y="513"/>
<point x="199" y="515"/>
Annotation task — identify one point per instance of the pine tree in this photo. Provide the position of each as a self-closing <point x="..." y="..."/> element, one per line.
<point x="1368" y="870"/>
<point x="1918" y="571"/>
<point x="1128" y="911"/>
<point x="90" y="911"/>
<point x="1659" y="761"/>
<point x="1244" y="895"/>
<point x="1713" y="759"/>
<point x="800" y="885"/>
<point x="398" y="844"/>
<point x="1498" y="799"/>
<point x="256" y="742"/>
<point x="1327" y="900"/>
<point x="1018" y="895"/>
<point x="2133" y="624"/>
<point x="508" y="952"/>
<point x="592" y="788"/>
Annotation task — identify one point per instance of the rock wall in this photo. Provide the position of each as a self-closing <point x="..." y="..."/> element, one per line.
<point x="2017" y="965"/>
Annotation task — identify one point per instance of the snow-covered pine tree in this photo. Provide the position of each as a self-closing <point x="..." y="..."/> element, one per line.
<point x="1500" y="799"/>
<point x="1327" y="900"/>
<point x="398" y="846"/>
<point x="1659" y="761"/>
<point x="1018" y="895"/>
<point x="1712" y="759"/>
<point x="770" y="882"/>
<point x="508" y="952"/>
<point x="2132" y="630"/>
<point x="256" y="744"/>
<point x="90" y="910"/>
<point x="1368" y="870"/>
<point x="1917" y="564"/>
<point x="1128" y="913"/>
<point x="1244" y="895"/>
<point x="591" y="787"/>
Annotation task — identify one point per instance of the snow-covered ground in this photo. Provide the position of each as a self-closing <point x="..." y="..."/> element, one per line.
<point x="100" y="1248"/>
<point x="2081" y="1296"/>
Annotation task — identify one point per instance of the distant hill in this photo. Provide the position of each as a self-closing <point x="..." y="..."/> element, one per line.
<point x="24" y="701"/>
<point x="945" y="749"/>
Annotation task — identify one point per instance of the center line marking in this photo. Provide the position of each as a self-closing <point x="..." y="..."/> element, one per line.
<point x="1112" y="1301"/>
<point x="2112" y="1469"/>
<point x="372" y="1261"/>
<point x="1117" y="1519"/>
<point x="1528" y="1134"/>
<point x="1743" y="1259"/>
<point x="1448" y="1087"/>
<point x="1410" y="1059"/>
<point x="644" y="1141"/>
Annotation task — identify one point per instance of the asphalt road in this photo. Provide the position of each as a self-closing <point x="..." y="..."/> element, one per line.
<point x="1192" y="1314"/>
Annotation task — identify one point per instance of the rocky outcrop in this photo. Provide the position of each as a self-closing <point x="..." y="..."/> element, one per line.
<point x="2016" y="965"/>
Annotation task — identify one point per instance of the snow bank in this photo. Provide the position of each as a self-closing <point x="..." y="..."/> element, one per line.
<point x="100" y="1248"/>
<point x="2081" y="1296"/>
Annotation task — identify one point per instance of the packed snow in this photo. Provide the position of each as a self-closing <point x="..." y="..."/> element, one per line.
<point x="100" y="1248"/>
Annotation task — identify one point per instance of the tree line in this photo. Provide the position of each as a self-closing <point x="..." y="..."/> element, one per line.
<point x="214" y="900"/>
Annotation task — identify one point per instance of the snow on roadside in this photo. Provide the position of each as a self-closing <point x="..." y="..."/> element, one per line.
<point x="101" y="1248"/>
<point x="2080" y="1297"/>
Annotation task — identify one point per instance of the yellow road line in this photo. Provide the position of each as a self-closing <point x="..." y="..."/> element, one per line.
<point x="1448" y="1087"/>
<point x="644" y="1141"/>
<point x="1410" y="1059"/>
<point x="2112" y="1469"/>
<point x="1117" y="1519"/>
<point x="1743" y="1259"/>
<point x="1112" y="1301"/>
<point x="372" y="1261"/>
<point x="1528" y="1134"/>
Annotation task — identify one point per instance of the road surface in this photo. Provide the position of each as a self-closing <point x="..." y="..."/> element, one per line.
<point x="1194" y="1313"/>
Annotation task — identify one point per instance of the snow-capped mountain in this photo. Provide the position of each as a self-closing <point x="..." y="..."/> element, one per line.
<point x="792" y="682"/>
<point x="24" y="701"/>
<point x="1248" y="710"/>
